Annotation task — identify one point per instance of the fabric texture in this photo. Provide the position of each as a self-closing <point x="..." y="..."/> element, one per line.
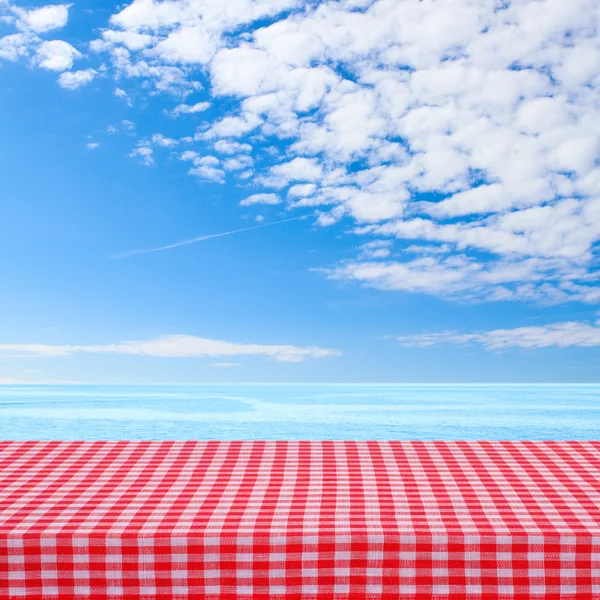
<point x="300" y="520"/>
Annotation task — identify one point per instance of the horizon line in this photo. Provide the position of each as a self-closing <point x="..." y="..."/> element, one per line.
<point x="156" y="383"/>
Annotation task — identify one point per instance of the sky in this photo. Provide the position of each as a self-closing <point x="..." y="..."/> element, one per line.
<point x="300" y="191"/>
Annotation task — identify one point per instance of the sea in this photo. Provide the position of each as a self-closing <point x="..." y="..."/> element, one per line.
<point x="300" y="412"/>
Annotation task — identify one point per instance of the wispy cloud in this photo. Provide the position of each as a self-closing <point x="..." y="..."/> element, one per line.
<point x="203" y="238"/>
<point x="561" y="335"/>
<point x="260" y="199"/>
<point x="466" y="278"/>
<point x="24" y="381"/>
<point x="224" y="365"/>
<point x="144" y="154"/>
<point x="119" y="93"/>
<point x="174" y="346"/>
<point x="189" y="109"/>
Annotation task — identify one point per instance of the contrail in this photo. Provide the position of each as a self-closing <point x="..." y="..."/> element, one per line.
<point x="202" y="238"/>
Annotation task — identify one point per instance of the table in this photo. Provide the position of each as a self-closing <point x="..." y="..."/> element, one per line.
<point x="300" y="520"/>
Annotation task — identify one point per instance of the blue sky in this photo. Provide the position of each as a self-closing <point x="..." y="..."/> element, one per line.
<point x="418" y="185"/>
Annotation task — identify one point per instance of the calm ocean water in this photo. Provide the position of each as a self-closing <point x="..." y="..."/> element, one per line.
<point x="300" y="412"/>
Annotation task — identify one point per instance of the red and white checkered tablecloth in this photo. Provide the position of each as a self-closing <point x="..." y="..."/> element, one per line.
<point x="299" y="520"/>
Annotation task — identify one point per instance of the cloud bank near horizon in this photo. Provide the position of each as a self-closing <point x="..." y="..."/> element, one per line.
<point x="561" y="335"/>
<point x="173" y="346"/>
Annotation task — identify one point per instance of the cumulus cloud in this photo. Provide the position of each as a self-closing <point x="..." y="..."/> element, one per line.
<point x="562" y="335"/>
<point x="56" y="55"/>
<point x="238" y="163"/>
<point x="73" y="80"/>
<point x="120" y="93"/>
<point x="176" y="33"/>
<point x="130" y="39"/>
<point x="260" y="199"/>
<point x="15" y="46"/>
<point x="144" y="154"/>
<point x="207" y="167"/>
<point x="233" y="127"/>
<point x="208" y="173"/>
<point x="165" y="142"/>
<point x="231" y="147"/>
<point x="45" y="18"/>
<point x="175" y="346"/>
<point x="298" y="169"/>
<point x="189" y="109"/>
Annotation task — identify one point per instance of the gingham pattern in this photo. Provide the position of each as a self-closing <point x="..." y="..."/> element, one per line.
<point x="291" y="520"/>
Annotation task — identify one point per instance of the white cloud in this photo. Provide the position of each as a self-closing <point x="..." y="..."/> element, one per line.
<point x="297" y="169"/>
<point x="482" y="199"/>
<point x="191" y="45"/>
<point x="245" y="71"/>
<point x="428" y="249"/>
<point x="155" y="16"/>
<point x="189" y="155"/>
<point x="32" y="381"/>
<point x="461" y="277"/>
<point x="92" y="145"/>
<point x="561" y="335"/>
<point x="207" y="172"/>
<point x="260" y="199"/>
<point x="302" y="190"/>
<point x="120" y="93"/>
<point x="131" y="39"/>
<point x="144" y="154"/>
<point x="224" y="365"/>
<point x="233" y="127"/>
<point x="568" y="228"/>
<point x="45" y="18"/>
<point x="189" y="109"/>
<point x="163" y="78"/>
<point x="181" y="33"/>
<point x="238" y="163"/>
<point x="15" y="46"/>
<point x="488" y="138"/>
<point x="210" y="161"/>
<point x="205" y="167"/>
<point x="376" y="249"/>
<point x="56" y="55"/>
<point x="174" y="346"/>
<point x="232" y="147"/>
<point x="73" y="80"/>
<point x="165" y="142"/>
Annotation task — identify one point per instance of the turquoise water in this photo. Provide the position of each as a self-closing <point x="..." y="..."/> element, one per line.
<point x="300" y="412"/>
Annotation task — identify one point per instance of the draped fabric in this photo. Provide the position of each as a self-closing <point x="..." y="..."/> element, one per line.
<point x="300" y="520"/>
